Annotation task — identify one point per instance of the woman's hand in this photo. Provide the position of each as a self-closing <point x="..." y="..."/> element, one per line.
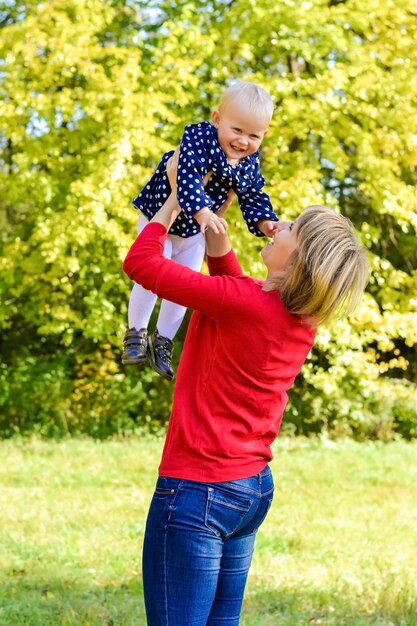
<point x="230" y="197"/>
<point x="171" y="168"/>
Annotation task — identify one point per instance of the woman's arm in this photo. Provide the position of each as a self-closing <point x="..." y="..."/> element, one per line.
<point x="211" y="295"/>
<point x="219" y="244"/>
<point x="221" y="259"/>
<point x="168" y="212"/>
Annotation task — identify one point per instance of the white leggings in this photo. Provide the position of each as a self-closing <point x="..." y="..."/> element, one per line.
<point x="186" y="251"/>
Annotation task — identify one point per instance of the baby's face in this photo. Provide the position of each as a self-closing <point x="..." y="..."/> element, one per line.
<point x="239" y="132"/>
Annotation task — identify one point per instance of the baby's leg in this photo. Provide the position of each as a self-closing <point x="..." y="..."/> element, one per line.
<point x="141" y="305"/>
<point x="142" y="301"/>
<point x="189" y="252"/>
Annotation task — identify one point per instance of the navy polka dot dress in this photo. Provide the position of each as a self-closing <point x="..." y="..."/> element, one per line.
<point x="200" y="153"/>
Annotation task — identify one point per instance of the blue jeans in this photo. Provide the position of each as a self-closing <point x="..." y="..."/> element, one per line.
<point x="198" y="548"/>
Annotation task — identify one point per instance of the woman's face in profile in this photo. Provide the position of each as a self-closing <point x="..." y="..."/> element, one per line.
<point x="277" y="252"/>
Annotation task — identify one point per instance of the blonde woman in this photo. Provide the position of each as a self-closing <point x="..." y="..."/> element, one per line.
<point x="245" y="344"/>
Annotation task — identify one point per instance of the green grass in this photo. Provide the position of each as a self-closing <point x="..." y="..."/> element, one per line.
<point x="339" y="547"/>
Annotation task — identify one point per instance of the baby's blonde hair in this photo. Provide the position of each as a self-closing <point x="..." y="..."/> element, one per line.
<point x="327" y="273"/>
<point x="249" y="96"/>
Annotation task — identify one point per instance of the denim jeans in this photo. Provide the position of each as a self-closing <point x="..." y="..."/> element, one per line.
<point x="198" y="548"/>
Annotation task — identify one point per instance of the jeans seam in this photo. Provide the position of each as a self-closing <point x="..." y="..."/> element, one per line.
<point x="234" y="487"/>
<point x="165" y="577"/>
<point x="255" y="530"/>
<point x="171" y="504"/>
<point x="228" y="505"/>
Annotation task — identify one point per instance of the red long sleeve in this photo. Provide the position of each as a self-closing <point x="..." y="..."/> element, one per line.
<point x="146" y="265"/>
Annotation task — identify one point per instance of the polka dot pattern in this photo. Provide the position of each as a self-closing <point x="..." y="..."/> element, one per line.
<point x="200" y="153"/>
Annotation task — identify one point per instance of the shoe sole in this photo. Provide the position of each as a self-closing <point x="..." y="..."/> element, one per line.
<point x="151" y="359"/>
<point x="134" y="361"/>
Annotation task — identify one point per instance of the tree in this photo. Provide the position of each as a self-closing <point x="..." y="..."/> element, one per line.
<point x="94" y="92"/>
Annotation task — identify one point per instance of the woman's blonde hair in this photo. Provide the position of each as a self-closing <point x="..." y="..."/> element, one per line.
<point x="327" y="273"/>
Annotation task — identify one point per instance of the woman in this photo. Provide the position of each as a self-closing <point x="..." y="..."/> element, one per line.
<point x="246" y="342"/>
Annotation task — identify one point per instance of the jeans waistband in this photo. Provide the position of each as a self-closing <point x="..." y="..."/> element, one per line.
<point x="259" y="483"/>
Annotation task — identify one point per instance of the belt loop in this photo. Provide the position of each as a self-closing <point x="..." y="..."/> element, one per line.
<point x="259" y="479"/>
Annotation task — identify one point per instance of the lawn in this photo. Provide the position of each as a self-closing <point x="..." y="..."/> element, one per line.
<point x="339" y="547"/>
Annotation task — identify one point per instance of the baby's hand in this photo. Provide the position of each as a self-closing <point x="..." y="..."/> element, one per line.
<point x="208" y="219"/>
<point x="268" y="227"/>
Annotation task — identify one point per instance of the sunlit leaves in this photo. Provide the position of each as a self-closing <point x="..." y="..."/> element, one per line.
<point x="92" y="94"/>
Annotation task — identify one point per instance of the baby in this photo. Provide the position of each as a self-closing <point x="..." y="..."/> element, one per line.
<point x="227" y="148"/>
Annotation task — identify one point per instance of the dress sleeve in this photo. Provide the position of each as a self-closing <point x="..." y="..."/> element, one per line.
<point x="255" y="204"/>
<point x="192" y="166"/>
<point x="146" y="265"/>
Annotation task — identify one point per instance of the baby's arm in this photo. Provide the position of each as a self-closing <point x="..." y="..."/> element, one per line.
<point x="205" y="217"/>
<point x="256" y="207"/>
<point x="192" y="168"/>
<point x="219" y="214"/>
<point x="221" y="259"/>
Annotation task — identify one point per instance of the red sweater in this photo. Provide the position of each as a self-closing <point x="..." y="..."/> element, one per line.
<point x="241" y="354"/>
